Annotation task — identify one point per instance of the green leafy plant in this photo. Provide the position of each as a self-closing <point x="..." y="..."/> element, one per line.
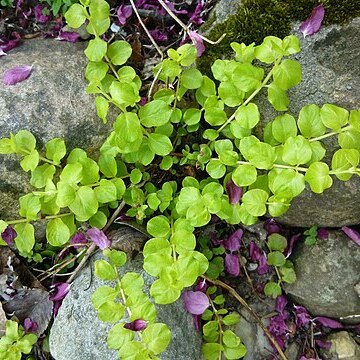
<point x="284" y="268"/>
<point x="57" y="6"/>
<point x="311" y="236"/>
<point x="171" y="160"/>
<point x="15" y="342"/>
<point x="7" y="3"/>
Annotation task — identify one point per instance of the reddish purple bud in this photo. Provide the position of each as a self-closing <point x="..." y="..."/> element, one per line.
<point x="323" y="234"/>
<point x="352" y="234"/>
<point x="201" y="285"/>
<point x="69" y="36"/>
<point x="232" y="243"/>
<point x="313" y="23"/>
<point x="136" y="325"/>
<point x="281" y="302"/>
<point x="271" y="226"/>
<point x="78" y="239"/>
<point x="8" y="235"/>
<point x="235" y="192"/>
<point x="123" y="13"/>
<point x="263" y="267"/>
<point x="198" y="42"/>
<point x="330" y="323"/>
<point x="303" y="318"/>
<point x="326" y="345"/>
<point x="293" y="240"/>
<point x="16" y="74"/>
<point x="232" y="265"/>
<point x="39" y="14"/>
<point x="30" y="325"/>
<point x="99" y="238"/>
<point x="59" y="291"/>
<point x="196" y="302"/>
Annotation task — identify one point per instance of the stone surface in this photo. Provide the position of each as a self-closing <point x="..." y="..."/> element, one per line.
<point x="343" y="347"/>
<point x="326" y="277"/>
<point x="51" y="103"/>
<point x="78" y="334"/>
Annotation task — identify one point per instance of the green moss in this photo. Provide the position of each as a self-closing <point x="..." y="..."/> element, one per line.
<point x="257" y="19"/>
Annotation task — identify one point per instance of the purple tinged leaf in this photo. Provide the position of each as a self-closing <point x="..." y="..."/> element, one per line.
<point x="78" y="239"/>
<point x="302" y="316"/>
<point x="69" y="36"/>
<point x="271" y="226"/>
<point x="352" y="234"/>
<point x="323" y="234"/>
<point x="136" y="325"/>
<point x="99" y="238"/>
<point x="8" y="235"/>
<point x="123" y="13"/>
<point x="330" y="323"/>
<point x="232" y="243"/>
<point x="39" y="15"/>
<point x="326" y="345"/>
<point x="281" y="302"/>
<point x="196" y="302"/>
<point x="313" y="23"/>
<point x="200" y="48"/>
<point x="232" y="265"/>
<point x="16" y="74"/>
<point x="263" y="267"/>
<point x="30" y="325"/>
<point x="59" y="291"/>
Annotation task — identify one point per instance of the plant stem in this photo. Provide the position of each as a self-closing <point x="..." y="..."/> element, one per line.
<point x="278" y="166"/>
<point x="218" y="320"/>
<point x="250" y="310"/>
<point x="332" y="133"/>
<point x="48" y="161"/>
<point x="19" y="221"/>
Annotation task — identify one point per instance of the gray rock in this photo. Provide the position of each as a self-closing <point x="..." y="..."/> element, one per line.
<point x="51" y="103"/>
<point x="330" y="64"/>
<point x="343" y="347"/>
<point x="78" y="334"/>
<point x="326" y="277"/>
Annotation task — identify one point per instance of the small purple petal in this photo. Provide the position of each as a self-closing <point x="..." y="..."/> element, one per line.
<point x="70" y="36"/>
<point x="196" y="16"/>
<point x="330" y="323"/>
<point x="232" y="243"/>
<point x="254" y="251"/>
<point x="16" y="74"/>
<point x="281" y="302"/>
<point x="232" y="264"/>
<point x="123" y="13"/>
<point x="199" y="44"/>
<point x="313" y="23"/>
<point x="293" y="240"/>
<point x="60" y="291"/>
<point x="196" y="302"/>
<point x="263" y="267"/>
<point x="158" y="35"/>
<point x="323" y="234"/>
<point x="99" y="238"/>
<point x="326" y="345"/>
<point x="136" y="325"/>
<point x="201" y="285"/>
<point x="39" y="15"/>
<point x="197" y="322"/>
<point x="9" y="45"/>
<point x="303" y="318"/>
<point x="78" y="239"/>
<point x="271" y="226"/>
<point x="56" y="307"/>
<point x="352" y="234"/>
<point x="8" y="235"/>
<point x="30" y="325"/>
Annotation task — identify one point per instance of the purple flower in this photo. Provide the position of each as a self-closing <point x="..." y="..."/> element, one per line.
<point x="302" y="317"/>
<point x="293" y="240"/>
<point x="271" y="226"/>
<point x="352" y="234"/>
<point x="278" y="328"/>
<point x="232" y="264"/>
<point x="123" y="13"/>
<point x="322" y="233"/>
<point x="263" y="267"/>
<point x="196" y="302"/>
<point x="195" y="17"/>
<point x="30" y="325"/>
<point x="232" y="243"/>
<point x="199" y="44"/>
<point x="326" y="345"/>
<point x="59" y="291"/>
<point x="235" y="192"/>
<point x="313" y="23"/>
<point x="16" y="74"/>
<point x="8" y="235"/>
<point x="255" y="251"/>
<point x="8" y="45"/>
<point x="78" y="239"/>
<point x="99" y="238"/>
<point x="327" y="322"/>
<point x="256" y="254"/>
<point x="201" y="285"/>
<point x="70" y="36"/>
<point x="281" y="302"/>
<point x="158" y="35"/>
<point x="39" y="14"/>
<point x="136" y="325"/>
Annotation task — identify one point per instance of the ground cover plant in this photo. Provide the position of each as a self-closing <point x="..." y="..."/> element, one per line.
<point x="182" y="154"/>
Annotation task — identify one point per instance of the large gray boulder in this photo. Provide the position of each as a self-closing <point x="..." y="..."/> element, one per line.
<point x="52" y="102"/>
<point x="78" y="334"/>
<point x="327" y="276"/>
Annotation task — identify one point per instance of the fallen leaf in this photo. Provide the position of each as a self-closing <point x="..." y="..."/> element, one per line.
<point x="313" y="23"/>
<point x="16" y="74"/>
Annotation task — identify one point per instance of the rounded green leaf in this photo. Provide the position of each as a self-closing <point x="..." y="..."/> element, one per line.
<point x="155" y="113"/>
<point x="96" y="71"/>
<point x="124" y="94"/>
<point x="244" y="175"/>
<point x="349" y="140"/>
<point x="286" y="182"/>
<point x="283" y="127"/>
<point x="272" y="289"/>
<point x="215" y="116"/>
<point x="247" y="77"/>
<point x="344" y="159"/>
<point x="106" y="191"/>
<point x="75" y="16"/>
<point x="278" y="97"/>
<point x="297" y="150"/>
<point x="107" y="165"/>
<point x="276" y="242"/>
<point x="57" y="233"/>
<point x="118" y="336"/>
<point x="111" y="311"/>
<point x="25" y="238"/>
<point x="230" y="94"/>
<point x="85" y="204"/>
<point x="192" y="116"/>
<point x="24" y="142"/>
<point x="102" y="107"/>
<point x="29" y="206"/>
<point x="96" y="50"/>
<point x="158" y="226"/>
<point x="160" y="144"/>
<point x="309" y="121"/>
<point x="157" y="337"/>
<point x="287" y="74"/>
<point x="334" y="117"/>
<point x="102" y="295"/>
<point x="119" y="52"/>
<point x="254" y="202"/>
<point x="191" y="78"/>
<point x="55" y="150"/>
<point x="318" y="177"/>
<point x="104" y="270"/>
<point x="216" y="169"/>
<point x="183" y="240"/>
<point x="247" y="116"/>
<point x="354" y="119"/>
<point x="98" y="220"/>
